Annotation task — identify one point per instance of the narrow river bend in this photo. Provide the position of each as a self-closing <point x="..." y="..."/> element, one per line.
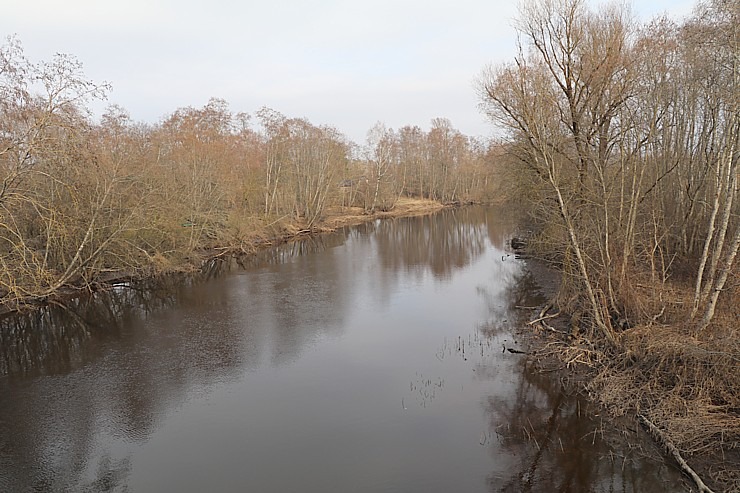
<point x="369" y="360"/>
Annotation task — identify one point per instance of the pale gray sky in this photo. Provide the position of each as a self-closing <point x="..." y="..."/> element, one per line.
<point x="343" y="63"/>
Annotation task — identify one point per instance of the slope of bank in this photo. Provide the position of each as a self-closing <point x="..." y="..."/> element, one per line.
<point x="680" y="389"/>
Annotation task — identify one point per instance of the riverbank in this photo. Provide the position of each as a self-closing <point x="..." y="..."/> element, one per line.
<point x="290" y="230"/>
<point x="405" y="207"/>
<point x="245" y="239"/>
<point x="679" y="389"/>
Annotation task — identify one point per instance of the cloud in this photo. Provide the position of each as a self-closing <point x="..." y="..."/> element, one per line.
<point x="339" y="62"/>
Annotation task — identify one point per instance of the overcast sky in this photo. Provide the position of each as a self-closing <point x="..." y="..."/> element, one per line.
<point x="343" y="63"/>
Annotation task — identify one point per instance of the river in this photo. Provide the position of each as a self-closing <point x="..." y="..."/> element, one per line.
<point x="368" y="360"/>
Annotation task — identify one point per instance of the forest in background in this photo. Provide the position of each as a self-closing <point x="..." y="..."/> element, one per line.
<point x="84" y="200"/>
<point x="623" y="137"/>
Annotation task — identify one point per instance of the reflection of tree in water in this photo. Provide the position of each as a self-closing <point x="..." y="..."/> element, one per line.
<point x="550" y="442"/>
<point x="531" y="427"/>
<point x="525" y="292"/>
<point x="499" y="223"/>
<point x="57" y="339"/>
<point x="291" y="250"/>
<point x="443" y="242"/>
<point x="30" y="341"/>
<point x="554" y="445"/>
<point x="111" y="368"/>
<point x="298" y="298"/>
<point x="110" y="475"/>
<point x="506" y="300"/>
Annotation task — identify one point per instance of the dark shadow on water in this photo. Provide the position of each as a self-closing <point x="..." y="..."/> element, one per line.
<point x="556" y="442"/>
<point x="58" y="338"/>
<point x="559" y="446"/>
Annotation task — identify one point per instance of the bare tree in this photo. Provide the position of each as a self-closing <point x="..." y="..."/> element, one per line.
<point x="381" y="150"/>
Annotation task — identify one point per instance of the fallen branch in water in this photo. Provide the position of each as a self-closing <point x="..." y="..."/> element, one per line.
<point x="512" y="351"/>
<point x="663" y="440"/>
<point x="542" y="318"/>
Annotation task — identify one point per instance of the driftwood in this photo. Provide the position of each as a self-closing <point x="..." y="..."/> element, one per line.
<point x="663" y="440"/>
<point x="542" y="318"/>
<point x="542" y="315"/>
<point x="511" y="350"/>
<point x="545" y="309"/>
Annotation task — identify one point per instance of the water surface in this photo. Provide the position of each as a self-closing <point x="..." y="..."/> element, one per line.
<point x="370" y="360"/>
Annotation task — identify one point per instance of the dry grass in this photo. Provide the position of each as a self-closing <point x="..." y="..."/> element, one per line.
<point x="686" y="384"/>
<point x="338" y="217"/>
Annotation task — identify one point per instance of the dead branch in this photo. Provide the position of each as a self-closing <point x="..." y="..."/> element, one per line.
<point x="542" y="318"/>
<point x="663" y="440"/>
<point x="545" y="309"/>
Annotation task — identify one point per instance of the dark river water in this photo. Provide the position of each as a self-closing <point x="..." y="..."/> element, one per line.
<point x="370" y="360"/>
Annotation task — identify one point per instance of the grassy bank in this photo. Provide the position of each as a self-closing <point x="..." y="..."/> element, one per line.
<point x="660" y="373"/>
<point x="250" y="236"/>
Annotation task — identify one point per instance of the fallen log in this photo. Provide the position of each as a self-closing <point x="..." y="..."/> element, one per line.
<point x="663" y="440"/>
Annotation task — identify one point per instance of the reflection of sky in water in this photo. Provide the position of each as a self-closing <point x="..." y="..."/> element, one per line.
<point x="367" y="360"/>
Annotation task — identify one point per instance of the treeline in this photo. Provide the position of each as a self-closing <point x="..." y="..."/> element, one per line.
<point x="625" y="139"/>
<point x="82" y="199"/>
